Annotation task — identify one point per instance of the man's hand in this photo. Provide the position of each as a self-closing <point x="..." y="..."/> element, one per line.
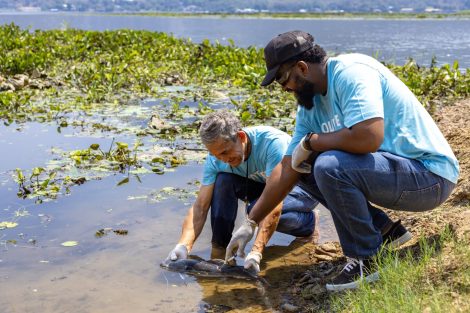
<point x="179" y="252"/>
<point x="252" y="261"/>
<point x="239" y="240"/>
<point x="299" y="158"/>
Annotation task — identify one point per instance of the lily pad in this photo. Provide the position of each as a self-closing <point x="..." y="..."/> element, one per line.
<point x="4" y="225"/>
<point x="69" y="243"/>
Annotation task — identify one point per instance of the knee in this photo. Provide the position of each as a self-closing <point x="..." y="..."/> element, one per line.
<point x="328" y="164"/>
<point x="223" y="181"/>
<point x="299" y="224"/>
<point x="223" y="197"/>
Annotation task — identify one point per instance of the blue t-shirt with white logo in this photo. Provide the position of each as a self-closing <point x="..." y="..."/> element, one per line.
<point x="268" y="146"/>
<point x="361" y="88"/>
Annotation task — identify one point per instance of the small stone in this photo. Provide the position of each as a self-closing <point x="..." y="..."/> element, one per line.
<point x="6" y="87"/>
<point x="305" y="277"/>
<point x="35" y="74"/>
<point x="18" y="83"/>
<point x="36" y="85"/>
<point x="156" y="122"/>
<point x="321" y="257"/>
<point x="287" y="307"/>
<point x="329" y="247"/>
<point x="169" y="81"/>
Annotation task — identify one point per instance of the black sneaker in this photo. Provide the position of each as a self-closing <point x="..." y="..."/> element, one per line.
<point x="352" y="274"/>
<point x="396" y="235"/>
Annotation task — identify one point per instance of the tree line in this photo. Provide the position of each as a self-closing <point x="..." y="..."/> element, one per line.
<point x="223" y="6"/>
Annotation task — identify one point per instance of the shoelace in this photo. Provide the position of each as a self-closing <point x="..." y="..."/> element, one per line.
<point x="352" y="262"/>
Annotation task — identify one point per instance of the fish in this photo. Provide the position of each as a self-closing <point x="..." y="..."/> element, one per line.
<point x="214" y="268"/>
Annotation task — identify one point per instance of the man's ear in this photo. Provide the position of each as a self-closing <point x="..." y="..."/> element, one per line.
<point x="303" y="67"/>
<point x="241" y="134"/>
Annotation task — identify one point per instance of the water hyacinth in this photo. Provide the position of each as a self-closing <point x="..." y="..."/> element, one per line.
<point x="86" y="67"/>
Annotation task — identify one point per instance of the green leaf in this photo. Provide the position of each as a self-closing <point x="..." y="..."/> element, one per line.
<point x="37" y="171"/>
<point x="19" y="174"/>
<point x="122" y="145"/>
<point x="45" y="183"/>
<point x="52" y="175"/>
<point x="8" y="225"/>
<point x="140" y="170"/>
<point x="69" y="243"/>
<point x="245" y="116"/>
<point x="158" y="160"/>
<point x="124" y="181"/>
<point x="94" y="146"/>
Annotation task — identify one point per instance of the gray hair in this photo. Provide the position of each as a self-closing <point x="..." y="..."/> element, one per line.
<point x="220" y="124"/>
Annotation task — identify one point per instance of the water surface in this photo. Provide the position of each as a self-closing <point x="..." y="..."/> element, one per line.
<point x="113" y="273"/>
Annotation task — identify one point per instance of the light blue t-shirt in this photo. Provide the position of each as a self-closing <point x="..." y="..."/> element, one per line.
<point x="268" y="146"/>
<point x="361" y="88"/>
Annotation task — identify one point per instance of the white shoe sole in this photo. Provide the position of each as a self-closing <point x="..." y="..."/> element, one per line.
<point x="401" y="240"/>
<point x="353" y="285"/>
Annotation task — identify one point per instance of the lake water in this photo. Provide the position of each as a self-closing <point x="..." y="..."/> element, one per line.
<point x="114" y="273"/>
<point x="389" y="40"/>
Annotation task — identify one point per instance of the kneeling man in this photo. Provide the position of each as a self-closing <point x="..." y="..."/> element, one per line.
<point x="238" y="166"/>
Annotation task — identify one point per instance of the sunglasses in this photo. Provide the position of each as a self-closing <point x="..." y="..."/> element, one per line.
<point x="284" y="77"/>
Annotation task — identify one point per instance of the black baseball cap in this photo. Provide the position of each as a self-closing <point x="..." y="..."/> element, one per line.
<point x="282" y="48"/>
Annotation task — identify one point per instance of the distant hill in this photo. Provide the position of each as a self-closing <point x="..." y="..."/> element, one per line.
<point x="243" y="6"/>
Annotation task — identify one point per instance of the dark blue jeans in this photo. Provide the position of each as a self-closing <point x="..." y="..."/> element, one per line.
<point x="297" y="218"/>
<point x="347" y="184"/>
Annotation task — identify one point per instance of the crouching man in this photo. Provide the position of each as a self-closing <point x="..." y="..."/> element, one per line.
<point x="374" y="144"/>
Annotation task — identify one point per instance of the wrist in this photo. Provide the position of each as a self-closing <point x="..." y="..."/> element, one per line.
<point x="259" y="255"/>
<point x="306" y="144"/>
<point x="258" y="247"/>
<point x="250" y="222"/>
<point x="187" y="246"/>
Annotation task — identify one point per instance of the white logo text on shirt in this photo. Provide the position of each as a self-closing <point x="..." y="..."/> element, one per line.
<point x="331" y="125"/>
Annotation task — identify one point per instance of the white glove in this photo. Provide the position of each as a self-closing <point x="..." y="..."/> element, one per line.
<point x="179" y="252"/>
<point x="239" y="240"/>
<point x="299" y="158"/>
<point x="252" y="260"/>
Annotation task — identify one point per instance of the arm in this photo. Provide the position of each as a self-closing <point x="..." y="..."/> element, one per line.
<point x="196" y="217"/>
<point x="360" y="95"/>
<point x="279" y="184"/>
<point x="265" y="232"/>
<point x="363" y="137"/>
<point x="266" y="229"/>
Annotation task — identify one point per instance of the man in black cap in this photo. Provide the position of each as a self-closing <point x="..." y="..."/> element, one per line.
<point x="361" y="138"/>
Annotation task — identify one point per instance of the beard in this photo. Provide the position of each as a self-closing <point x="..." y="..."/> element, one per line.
<point x="305" y="93"/>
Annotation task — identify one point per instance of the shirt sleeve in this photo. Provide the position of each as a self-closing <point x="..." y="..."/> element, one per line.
<point x="300" y="130"/>
<point x="275" y="152"/>
<point x="209" y="173"/>
<point x="359" y="91"/>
